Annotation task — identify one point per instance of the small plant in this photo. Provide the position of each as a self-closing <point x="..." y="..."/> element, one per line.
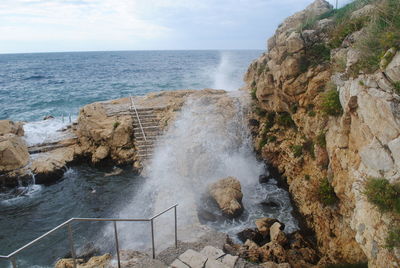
<point x="270" y="120"/>
<point x="294" y="107"/>
<point x="284" y="119"/>
<point x="253" y="93"/>
<point x="308" y="146"/>
<point x="260" y="111"/>
<point x="311" y="113"/>
<point x="297" y="150"/>
<point x="262" y="143"/>
<point x="396" y="86"/>
<point x="326" y="193"/>
<point x="307" y="177"/>
<point x="393" y="238"/>
<point x="320" y="140"/>
<point x="272" y="138"/>
<point x="116" y="124"/>
<point x="385" y="196"/>
<point x="331" y="103"/>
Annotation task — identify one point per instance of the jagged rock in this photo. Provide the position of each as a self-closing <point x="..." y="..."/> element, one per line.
<point x="264" y="225"/>
<point x="276" y="234"/>
<point x="250" y="234"/>
<point x="228" y="194"/>
<point x="273" y="251"/>
<point x="100" y="153"/>
<point x="48" y="117"/>
<point x="271" y="264"/>
<point x="251" y="244"/>
<point x="13" y="152"/>
<point x="8" y="126"/>
<point x="94" y="262"/>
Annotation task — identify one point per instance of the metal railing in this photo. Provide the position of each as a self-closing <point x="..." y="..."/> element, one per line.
<point x="138" y="118"/>
<point x="12" y="256"/>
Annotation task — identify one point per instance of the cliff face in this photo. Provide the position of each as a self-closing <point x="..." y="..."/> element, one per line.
<point x="318" y="144"/>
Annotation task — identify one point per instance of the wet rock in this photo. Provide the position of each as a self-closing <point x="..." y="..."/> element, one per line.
<point x="263" y="178"/>
<point x="270" y="204"/>
<point x="48" y="117"/>
<point x="264" y="225"/>
<point x="251" y="234"/>
<point x="228" y="195"/>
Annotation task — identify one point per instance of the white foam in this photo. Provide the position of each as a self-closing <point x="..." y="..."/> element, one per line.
<point x="46" y="131"/>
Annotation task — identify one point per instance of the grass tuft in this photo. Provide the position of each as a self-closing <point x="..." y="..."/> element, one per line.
<point x="326" y="193"/>
<point x="385" y="196"/>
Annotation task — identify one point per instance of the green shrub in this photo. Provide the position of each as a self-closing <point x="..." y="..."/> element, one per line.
<point x="318" y="54"/>
<point x="307" y="177"/>
<point x="116" y="124"/>
<point x="393" y="238"/>
<point x="262" y="143"/>
<point x="385" y="196"/>
<point x="326" y="193"/>
<point x="272" y="138"/>
<point x="396" y="86"/>
<point x="294" y="107"/>
<point x="308" y="146"/>
<point x="343" y="30"/>
<point x="311" y="113"/>
<point x="331" y="103"/>
<point x="253" y="93"/>
<point x="285" y="119"/>
<point x="270" y="120"/>
<point x="320" y="140"/>
<point x="260" y="111"/>
<point x="297" y="150"/>
<point x="382" y="33"/>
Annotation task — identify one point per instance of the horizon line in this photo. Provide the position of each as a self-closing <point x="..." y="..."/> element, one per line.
<point x="130" y="50"/>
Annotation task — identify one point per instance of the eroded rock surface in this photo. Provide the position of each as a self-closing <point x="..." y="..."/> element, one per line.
<point x="228" y="194"/>
<point x="308" y="146"/>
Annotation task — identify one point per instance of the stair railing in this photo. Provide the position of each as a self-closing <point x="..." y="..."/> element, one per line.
<point x="12" y="256"/>
<point x="133" y="106"/>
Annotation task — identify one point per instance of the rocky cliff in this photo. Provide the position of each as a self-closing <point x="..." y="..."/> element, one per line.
<point x="329" y="126"/>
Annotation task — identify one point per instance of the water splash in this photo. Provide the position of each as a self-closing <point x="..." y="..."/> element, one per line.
<point x="208" y="141"/>
<point x="227" y="75"/>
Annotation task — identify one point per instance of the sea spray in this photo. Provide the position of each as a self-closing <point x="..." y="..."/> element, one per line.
<point x="209" y="140"/>
<point x="225" y="75"/>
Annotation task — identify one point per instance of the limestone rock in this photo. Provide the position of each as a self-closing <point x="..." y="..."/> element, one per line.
<point x="8" y="126"/>
<point x="13" y="152"/>
<point x="277" y="235"/>
<point x="228" y="194"/>
<point x="264" y="225"/>
<point x="94" y="262"/>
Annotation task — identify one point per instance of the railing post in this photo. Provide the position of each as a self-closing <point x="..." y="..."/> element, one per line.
<point x="116" y="243"/>
<point x="13" y="262"/>
<point x="152" y="238"/>
<point x="176" y="228"/>
<point x="71" y="243"/>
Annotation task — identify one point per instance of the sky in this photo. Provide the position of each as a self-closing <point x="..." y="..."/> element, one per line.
<point x="106" y="25"/>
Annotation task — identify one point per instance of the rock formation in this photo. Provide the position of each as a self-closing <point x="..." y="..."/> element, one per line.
<point x="327" y="155"/>
<point x="228" y="194"/>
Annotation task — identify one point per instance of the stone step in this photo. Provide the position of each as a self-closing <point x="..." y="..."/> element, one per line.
<point x="146" y="124"/>
<point x="209" y="257"/>
<point x="146" y="128"/>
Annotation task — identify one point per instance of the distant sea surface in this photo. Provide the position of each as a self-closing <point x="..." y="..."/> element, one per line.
<point x="39" y="84"/>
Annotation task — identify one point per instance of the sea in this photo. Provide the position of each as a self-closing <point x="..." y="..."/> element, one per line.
<point x="33" y="86"/>
<point x="36" y="85"/>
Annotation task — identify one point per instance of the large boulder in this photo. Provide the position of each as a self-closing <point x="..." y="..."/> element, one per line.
<point x="228" y="195"/>
<point x="13" y="152"/>
<point x="8" y="126"/>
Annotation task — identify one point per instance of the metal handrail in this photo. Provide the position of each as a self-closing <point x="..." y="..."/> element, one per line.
<point x="11" y="257"/>
<point x="138" y="118"/>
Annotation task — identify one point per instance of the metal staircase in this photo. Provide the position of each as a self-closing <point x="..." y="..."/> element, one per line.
<point x="146" y="130"/>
